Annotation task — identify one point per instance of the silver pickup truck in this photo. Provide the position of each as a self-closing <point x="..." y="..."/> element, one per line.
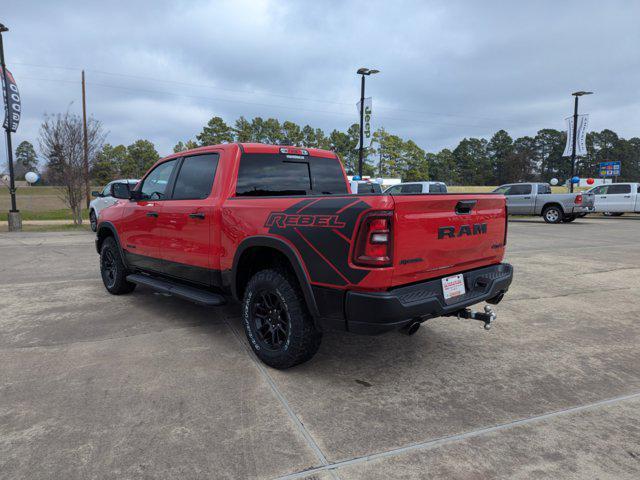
<point x="537" y="199"/>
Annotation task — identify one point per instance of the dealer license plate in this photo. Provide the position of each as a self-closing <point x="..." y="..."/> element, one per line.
<point x="453" y="286"/>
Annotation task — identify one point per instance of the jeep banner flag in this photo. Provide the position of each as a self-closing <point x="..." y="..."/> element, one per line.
<point x="367" y="128"/>
<point x="12" y="103"/>
<point x="581" y="142"/>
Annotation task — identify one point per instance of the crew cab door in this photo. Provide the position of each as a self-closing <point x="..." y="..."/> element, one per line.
<point x="185" y="224"/>
<point x="619" y="198"/>
<point x="138" y="228"/>
<point x="519" y="198"/>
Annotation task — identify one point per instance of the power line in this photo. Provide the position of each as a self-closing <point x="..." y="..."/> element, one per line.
<point x="253" y="92"/>
<point x="245" y="102"/>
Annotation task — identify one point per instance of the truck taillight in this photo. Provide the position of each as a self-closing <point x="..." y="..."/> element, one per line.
<point x="374" y="243"/>
<point x="506" y="225"/>
<point x="578" y="200"/>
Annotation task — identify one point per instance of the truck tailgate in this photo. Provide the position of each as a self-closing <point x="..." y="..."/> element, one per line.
<point x="436" y="235"/>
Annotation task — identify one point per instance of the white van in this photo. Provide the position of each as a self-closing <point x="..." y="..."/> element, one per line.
<point x="416" y="187"/>
<point x="615" y="199"/>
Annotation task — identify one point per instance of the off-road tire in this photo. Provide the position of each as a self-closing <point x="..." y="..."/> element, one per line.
<point x="569" y="218"/>
<point x="302" y="338"/>
<point x="552" y="214"/>
<point x="113" y="270"/>
<point x="93" y="220"/>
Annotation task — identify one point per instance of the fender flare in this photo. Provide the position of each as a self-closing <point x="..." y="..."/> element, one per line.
<point x="293" y="257"/>
<point x="102" y="226"/>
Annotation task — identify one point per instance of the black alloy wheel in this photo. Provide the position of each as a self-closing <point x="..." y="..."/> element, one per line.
<point x="271" y="320"/>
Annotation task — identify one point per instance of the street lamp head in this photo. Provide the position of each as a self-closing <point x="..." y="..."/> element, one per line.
<point x="581" y="93"/>
<point x="371" y="72"/>
<point x="363" y="71"/>
<point x="3" y="28"/>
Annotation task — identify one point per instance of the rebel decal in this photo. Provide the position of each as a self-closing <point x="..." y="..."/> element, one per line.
<point x="322" y="230"/>
<point x="284" y="220"/>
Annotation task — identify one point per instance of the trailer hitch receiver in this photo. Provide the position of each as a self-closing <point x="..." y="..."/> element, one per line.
<point x="488" y="316"/>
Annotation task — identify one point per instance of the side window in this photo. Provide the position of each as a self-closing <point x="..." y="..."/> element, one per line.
<point x="601" y="190"/>
<point x="543" y="188"/>
<point x="195" y="178"/>
<point x="519" y="190"/>
<point x="106" y="191"/>
<point x="619" y="189"/>
<point x="155" y="185"/>
<point x="412" y="188"/>
<point x="394" y="190"/>
<point x="438" y="188"/>
<point x="504" y="189"/>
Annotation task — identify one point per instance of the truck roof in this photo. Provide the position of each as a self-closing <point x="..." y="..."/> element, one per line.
<point x="255" y="148"/>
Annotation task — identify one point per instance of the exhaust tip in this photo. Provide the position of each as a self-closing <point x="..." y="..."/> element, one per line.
<point x="411" y="328"/>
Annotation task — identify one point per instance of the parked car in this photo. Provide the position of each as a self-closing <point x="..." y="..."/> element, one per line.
<point x="276" y="229"/>
<point x="365" y="186"/>
<point x="103" y="199"/>
<point x="615" y="199"/>
<point x="537" y="199"/>
<point x="417" y="187"/>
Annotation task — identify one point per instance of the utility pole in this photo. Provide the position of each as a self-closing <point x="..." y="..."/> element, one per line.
<point x="363" y="72"/>
<point x="575" y="132"/>
<point x="15" y="220"/>
<point x="87" y="187"/>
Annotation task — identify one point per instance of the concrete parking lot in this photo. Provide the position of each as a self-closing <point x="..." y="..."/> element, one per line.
<point x="149" y="386"/>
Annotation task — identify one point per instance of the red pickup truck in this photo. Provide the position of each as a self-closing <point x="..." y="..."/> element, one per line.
<point x="277" y="229"/>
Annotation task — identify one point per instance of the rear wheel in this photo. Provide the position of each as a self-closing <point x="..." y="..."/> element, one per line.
<point x="113" y="270"/>
<point x="552" y="214"/>
<point x="93" y="220"/>
<point x="276" y="321"/>
<point x="613" y="214"/>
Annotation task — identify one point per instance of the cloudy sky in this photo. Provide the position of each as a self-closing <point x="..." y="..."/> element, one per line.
<point x="449" y="69"/>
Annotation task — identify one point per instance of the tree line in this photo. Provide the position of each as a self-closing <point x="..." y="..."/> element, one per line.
<point x="474" y="161"/>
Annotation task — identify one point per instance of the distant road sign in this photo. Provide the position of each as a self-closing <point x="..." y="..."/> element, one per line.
<point x="610" y="169"/>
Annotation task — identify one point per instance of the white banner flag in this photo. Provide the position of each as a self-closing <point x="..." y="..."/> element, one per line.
<point x="367" y="128"/>
<point x="581" y="143"/>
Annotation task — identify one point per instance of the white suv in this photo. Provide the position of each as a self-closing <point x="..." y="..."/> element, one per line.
<point x="417" y="187"/>
<point x="103" y="200"/>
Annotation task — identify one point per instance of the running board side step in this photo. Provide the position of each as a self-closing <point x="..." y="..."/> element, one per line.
<point x="161" y="285"/>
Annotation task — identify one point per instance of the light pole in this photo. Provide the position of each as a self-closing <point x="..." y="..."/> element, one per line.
<point x="363" y="72"/>
<point x="15" y="223"/>
<point x="575" y="131"/>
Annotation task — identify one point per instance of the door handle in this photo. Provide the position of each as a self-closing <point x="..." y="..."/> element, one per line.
<point x="603" y="197"/>
<point x="197" y="215"/>
<point x="527" y="198"/>
<point x="152" y="214"/>
<point x="627" y="196"/>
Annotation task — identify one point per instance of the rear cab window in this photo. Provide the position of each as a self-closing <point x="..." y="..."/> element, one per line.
<point x="524" y="189"/>
<point x="619" y="189"/>
<point x="270" y="175"/>
<point x="543" y="188"/>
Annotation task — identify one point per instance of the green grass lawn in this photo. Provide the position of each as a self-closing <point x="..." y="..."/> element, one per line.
<point x="58" y="214"/>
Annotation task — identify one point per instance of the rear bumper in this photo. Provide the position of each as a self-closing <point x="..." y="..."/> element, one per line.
<point x="377" y="312"/>
<point x="590" y="209"/>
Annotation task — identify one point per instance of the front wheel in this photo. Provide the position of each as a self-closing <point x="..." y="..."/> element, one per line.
<point x="93" y="220"/>
<point x="113" y="270"/>
<point x="276" y="321"/>
<point x="552" y="214"/>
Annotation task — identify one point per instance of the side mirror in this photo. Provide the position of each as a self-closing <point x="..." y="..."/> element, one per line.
<point x="96" y="194"/>
<point x="121" y="190"/>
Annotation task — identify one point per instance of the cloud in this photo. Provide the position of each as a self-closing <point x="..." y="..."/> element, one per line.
<point x="448" y="69"/>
